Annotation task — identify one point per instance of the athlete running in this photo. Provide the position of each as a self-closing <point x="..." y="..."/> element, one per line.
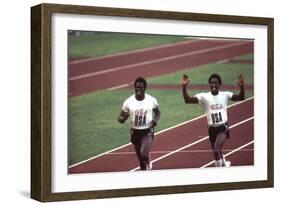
<point x="144" y="112"/>
<point x="214" y="104"/>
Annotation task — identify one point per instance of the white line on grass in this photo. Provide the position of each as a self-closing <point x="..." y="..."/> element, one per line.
<point x="162" y="131"/>
<point x="153" y="61"/>
<point x="235" y="150"/>
<point x="189" y="145"/>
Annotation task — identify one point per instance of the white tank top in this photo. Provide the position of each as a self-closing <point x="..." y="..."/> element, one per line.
<point x="141" y="112"/>
<point x="215" y="106"/>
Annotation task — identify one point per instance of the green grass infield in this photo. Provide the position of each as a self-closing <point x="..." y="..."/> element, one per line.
<point x="94" y="44"/>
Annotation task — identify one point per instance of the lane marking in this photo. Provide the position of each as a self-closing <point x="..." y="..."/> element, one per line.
<point x="235" y="150"/>
<point x="162" y="131"/>
<point x="193" y="143"/>
<point x="222" y="61"/>
<point x="134" y="66"/>
<point x="135" y="51"/>
<point x="185" y="151"/>
<point x="118" y="87"/>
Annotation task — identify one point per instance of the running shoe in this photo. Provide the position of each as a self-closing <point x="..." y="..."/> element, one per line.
<point x="227" y="163"/>
<point x="149" y="166"/>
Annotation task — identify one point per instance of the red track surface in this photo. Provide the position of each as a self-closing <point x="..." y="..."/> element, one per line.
<point x="116" y="70"/>
<point x="121" y="69"/>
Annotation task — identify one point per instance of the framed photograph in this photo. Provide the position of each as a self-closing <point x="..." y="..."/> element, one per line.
<point x="130" y="102"/>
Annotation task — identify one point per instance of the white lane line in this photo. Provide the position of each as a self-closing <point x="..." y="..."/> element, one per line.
<point x="222" y="61"/>
<point x="153" y="61"/>
<point x="94" y="157"/>
<point x="162" y="131"/>
<point x="185" y="151"/>
<point x="118" y="87"/>
<point x="133" y="52"/>
<point x="193" y="143"/>
<point x="233" y="151"/>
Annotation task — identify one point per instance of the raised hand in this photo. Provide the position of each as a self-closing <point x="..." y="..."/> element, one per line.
<point x="240" y="80"/>
<point x="185" y="80"/>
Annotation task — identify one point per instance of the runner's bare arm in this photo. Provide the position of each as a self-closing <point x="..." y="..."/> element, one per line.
<point x="156" y="117"/>
<point x="123" y="117"/>
<point x="241" y="95"/>
<point x="187" y="98"/>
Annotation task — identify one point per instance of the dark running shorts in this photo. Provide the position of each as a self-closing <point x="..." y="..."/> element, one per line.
<point x="214" y="131"/>
<point x="138" y="134"/>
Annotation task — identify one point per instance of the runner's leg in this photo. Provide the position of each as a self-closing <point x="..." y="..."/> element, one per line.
<point x="220" y="140"/>
<point x="145" y="148"/>
<point x="139" y="156"/>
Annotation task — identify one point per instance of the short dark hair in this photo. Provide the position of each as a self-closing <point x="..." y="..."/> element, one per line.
<point x="216" y="76"/>
<point x="142" y="80"/>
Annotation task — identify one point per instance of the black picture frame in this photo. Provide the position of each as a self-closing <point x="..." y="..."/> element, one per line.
<point x="41" y="97"/>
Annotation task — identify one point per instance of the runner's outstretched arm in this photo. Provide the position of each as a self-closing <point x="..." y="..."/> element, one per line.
<point x="241" y="95"/>
<point x="187" y="98"/>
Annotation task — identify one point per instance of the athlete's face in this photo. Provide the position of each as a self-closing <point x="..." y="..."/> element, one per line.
<point x="214" y="86"/>
<point x="139" y="90"/>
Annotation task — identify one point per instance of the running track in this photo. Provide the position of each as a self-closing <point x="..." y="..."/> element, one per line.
<point x="115" y="71"/>
<point x="185" y="146"/>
